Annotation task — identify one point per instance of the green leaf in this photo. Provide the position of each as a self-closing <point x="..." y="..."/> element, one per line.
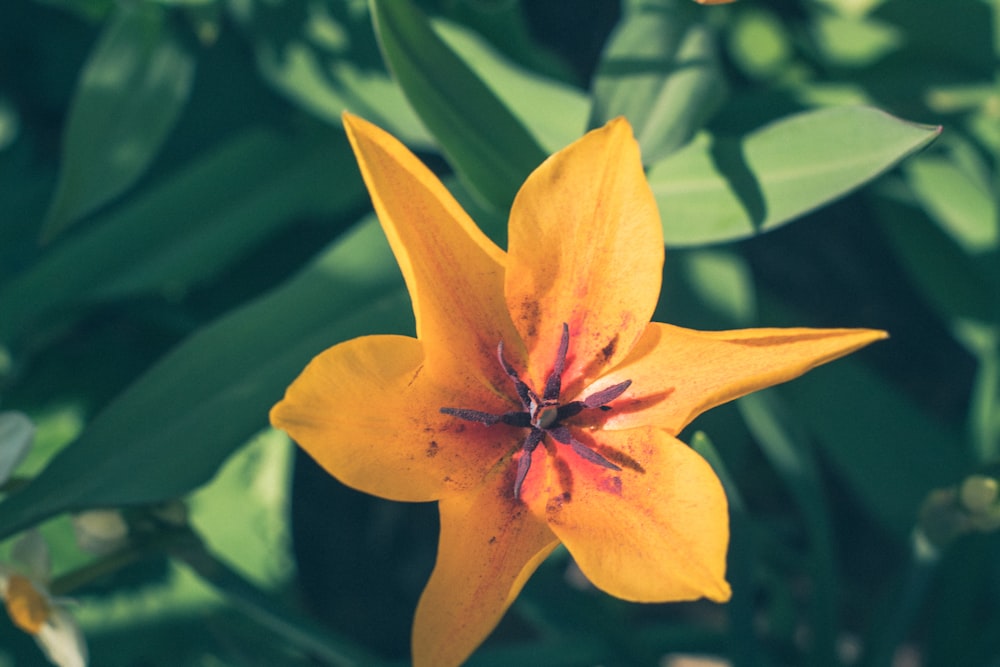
<point x="742" y="562"/>
<point x="716" y="190"/>
<point x="959" y="202"/>
<point x="553" y="112"/>
<point x="169" y="431"/>
<point x="701" y="443"/>
<point x="487" y="145"/>
<point x="954" y="283"/>
<point x="890" y="453"/>
<point x="984" y="403"/>
<point x="131" y="91"/>
<point x="327" y="88"/>
<point x="854" y="41"/>
<point x="254" y="483"/>
<point x="709" y="287"/>
<point x="759" y="43"/>
<point x="325" y="61"/>
<point x="786" y="447"/>
<point x="660" y="71"/>
<point x="185" y="228"/>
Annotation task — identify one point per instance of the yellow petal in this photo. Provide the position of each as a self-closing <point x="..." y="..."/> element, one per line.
<point x="655" y="531"/>
<point x="369" y="415"/>
<point x="586" y="248"/>
<point x="490" y="544"/>
<point x="679" y="373"/>
<point x="27" y="607"/>
<point x="454" y="273"/>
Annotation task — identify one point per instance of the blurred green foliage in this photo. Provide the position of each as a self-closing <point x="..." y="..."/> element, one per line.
<point x="182" y="227"/>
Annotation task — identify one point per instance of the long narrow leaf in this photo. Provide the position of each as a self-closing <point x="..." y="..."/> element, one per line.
<point x="786" y="447"/>
<point x="170" y="430"/>
<point x="186" y="227"/>
<point x="890" y="453"/>
<point x="486" y="144"/>
<point x="131" y="91"/>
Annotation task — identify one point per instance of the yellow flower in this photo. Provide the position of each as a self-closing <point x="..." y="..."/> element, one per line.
<point x="537" y="403"/>
<point x="29" y="606"/>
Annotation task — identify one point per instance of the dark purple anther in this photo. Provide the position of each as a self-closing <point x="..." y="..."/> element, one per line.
<point x="544" y="415"/>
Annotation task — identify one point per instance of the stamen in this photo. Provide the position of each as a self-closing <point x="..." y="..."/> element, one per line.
<point x="519" y="419"/>
<point x="544" y="415"/>
<point x="562" y="434"/>
<point x="605" y="396"/>
<point x="524" y="464"/>
<point x="524" y="392"/>
<point x="473" y="415"/>
<point x="554" y="384"/>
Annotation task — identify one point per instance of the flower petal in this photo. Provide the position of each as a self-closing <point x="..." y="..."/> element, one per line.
<point x="585" y="248"/>
<point x="679" y="373"/>
<point x="61" y="640"/>
<point x="453" y="271"/>
<point x="16" y="435"/>
<point x="27" y="607"/>
<point x="490" y="544"/>
<point x="366" y="411"/>
<point x="654" y="531"/>
<point x="31" y="553"/>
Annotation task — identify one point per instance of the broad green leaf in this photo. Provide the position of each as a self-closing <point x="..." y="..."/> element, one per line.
<point x="187" y="227"/>
<point x="487" y="145"/>
<point x="169" y="431"/>
<point x="130" y="92"/>
<point x="660" y="71"/>
<point x="961" y="204"/>
<point x="716" y="190"/>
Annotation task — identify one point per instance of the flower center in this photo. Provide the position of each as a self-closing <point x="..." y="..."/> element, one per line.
<point x="544" y="415"/>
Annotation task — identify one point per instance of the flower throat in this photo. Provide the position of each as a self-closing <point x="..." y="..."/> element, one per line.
<point x="544" y="414"/>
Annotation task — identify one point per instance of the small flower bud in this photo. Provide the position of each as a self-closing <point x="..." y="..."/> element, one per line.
<point x="941" y="519"/>
<point x="100" y="531"/>
<point x="979" y="493"/>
